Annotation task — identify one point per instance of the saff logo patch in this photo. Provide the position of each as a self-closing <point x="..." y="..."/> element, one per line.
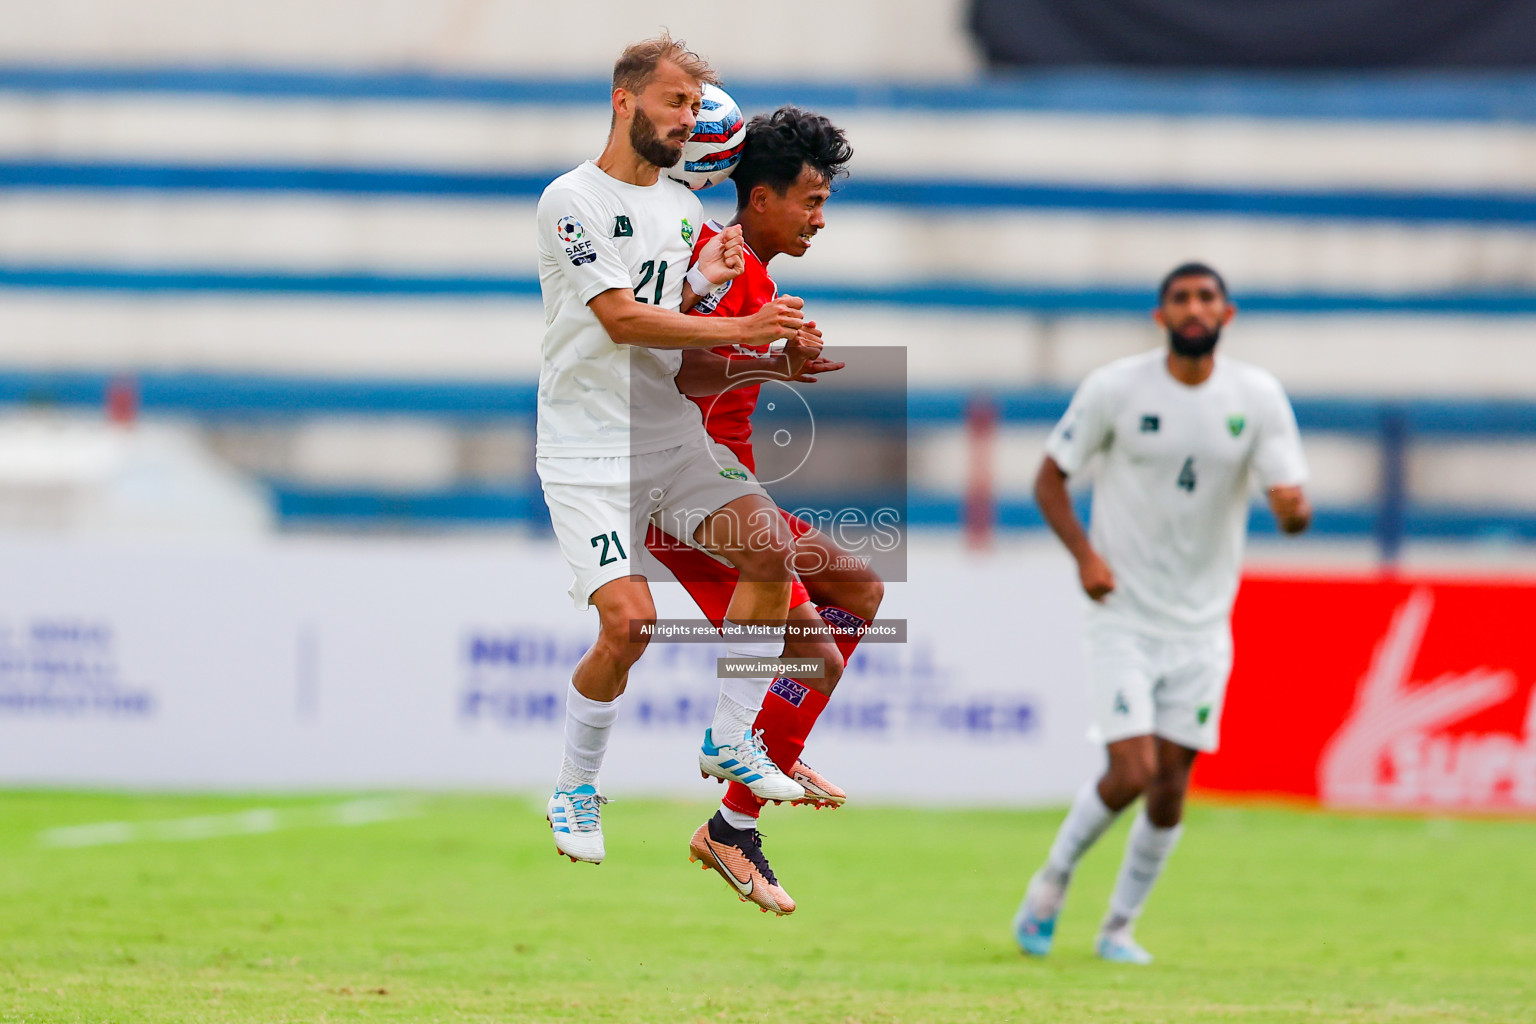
<point x="579" y="249"/>
<point x="734" y="474"/>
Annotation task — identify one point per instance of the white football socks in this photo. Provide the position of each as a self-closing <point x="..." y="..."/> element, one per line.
<point x="1087" y="820"/>
<point x="741" y="697"/>
<point x="1146" y="851"/>
<point x="587" y="723"/>
<point x="737" y="819"/>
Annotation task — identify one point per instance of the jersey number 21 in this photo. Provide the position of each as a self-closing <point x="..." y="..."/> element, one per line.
<point x="647" y="270"/>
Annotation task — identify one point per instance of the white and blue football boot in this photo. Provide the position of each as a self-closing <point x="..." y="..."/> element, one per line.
<point x="1034" y="926"/>
<point x="577" y="822"/>
<point x="746" y="762"/>
<point x="1119" y="947"/>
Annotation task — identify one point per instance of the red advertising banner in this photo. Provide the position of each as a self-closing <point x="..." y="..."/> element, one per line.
<point x="1387" y="694"/>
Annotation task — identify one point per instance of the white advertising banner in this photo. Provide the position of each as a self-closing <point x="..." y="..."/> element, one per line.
<point x="341" y="663"/>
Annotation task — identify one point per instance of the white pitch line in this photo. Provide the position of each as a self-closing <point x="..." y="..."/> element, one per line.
<point x="257" y="821"/>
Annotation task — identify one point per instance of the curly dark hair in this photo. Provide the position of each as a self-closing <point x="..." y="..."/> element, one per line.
<point x="780" y="144"/>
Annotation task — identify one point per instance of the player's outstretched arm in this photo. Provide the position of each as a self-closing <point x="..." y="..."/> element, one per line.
<point x="1056" y="506"/>
<point x="1291" y="508"/>
<point x="629" y="321"/>
<point x="708" y="373"/>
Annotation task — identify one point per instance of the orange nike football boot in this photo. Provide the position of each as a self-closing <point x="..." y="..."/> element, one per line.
<point x="819" y="790"/>
<point x="736" y="854"/>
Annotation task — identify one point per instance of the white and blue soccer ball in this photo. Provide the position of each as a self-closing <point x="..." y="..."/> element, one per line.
<point x="714" y="149"/>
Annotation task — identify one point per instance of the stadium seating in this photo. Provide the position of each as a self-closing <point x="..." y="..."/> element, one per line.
<point x="354" y="223"/>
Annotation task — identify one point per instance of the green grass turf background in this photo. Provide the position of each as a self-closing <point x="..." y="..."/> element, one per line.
<point x="463" y="913"/>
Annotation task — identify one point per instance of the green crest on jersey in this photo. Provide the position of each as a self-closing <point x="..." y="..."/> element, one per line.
<point x="734" y="474"/>
<point x="687" y="231"/>
<point x="1236" y="423"/>
<point x="1203" y="713"/>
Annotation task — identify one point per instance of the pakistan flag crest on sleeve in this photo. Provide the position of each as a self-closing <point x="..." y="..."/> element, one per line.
<point x="687" y="231"/>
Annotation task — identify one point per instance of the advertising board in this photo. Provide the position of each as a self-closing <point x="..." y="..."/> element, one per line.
<point x="306" y="663"/>
<point x="1382" y="693"/>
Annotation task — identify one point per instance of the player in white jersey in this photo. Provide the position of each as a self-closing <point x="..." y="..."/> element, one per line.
<point x="618" y="444"/>
<point x="1178" y="436"/>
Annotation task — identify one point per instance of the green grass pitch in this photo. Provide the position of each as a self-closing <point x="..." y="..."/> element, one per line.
<point x="460" y="911"/>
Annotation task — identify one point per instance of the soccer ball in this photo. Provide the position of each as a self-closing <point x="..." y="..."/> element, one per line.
<point x="711" y="153"/>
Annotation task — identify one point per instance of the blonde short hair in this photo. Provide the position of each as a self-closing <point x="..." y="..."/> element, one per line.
<point x="636" y="66"/>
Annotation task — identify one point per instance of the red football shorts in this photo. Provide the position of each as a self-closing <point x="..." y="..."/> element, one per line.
<point x="711" y="582"/>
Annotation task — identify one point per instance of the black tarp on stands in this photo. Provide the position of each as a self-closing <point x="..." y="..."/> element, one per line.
<point x="1274" y="34"/>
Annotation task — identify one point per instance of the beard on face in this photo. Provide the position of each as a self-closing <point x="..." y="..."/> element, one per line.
<point x="647" y="142"/>
<point x="1194" y="347"/>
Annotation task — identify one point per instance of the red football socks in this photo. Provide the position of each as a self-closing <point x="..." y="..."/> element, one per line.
<point x="790" y="711"/>
<point x="847" y="628"/>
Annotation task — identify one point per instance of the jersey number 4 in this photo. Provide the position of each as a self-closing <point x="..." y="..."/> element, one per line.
<point x="1187" y="475"/>
<point x="606" y="558"/>
<point x="649" y="269"/>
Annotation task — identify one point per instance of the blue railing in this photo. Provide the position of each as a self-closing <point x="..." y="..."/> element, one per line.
<point x="1396" y="205"/>
<point x="1394" y="425"/>
<point x="1496" y="96"/>
<point x="925" y="294"/>
<point x="217" y="396"/>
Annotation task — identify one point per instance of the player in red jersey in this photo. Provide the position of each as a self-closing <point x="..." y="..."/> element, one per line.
<point x="789" y="161"/>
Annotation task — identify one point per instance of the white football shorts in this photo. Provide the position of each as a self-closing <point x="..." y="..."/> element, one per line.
<point x="1163" y="684"/>
<point x="601" y="506"/>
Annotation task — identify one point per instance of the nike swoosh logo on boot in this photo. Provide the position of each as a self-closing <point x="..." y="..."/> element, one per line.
<point x="745" y="888"/>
